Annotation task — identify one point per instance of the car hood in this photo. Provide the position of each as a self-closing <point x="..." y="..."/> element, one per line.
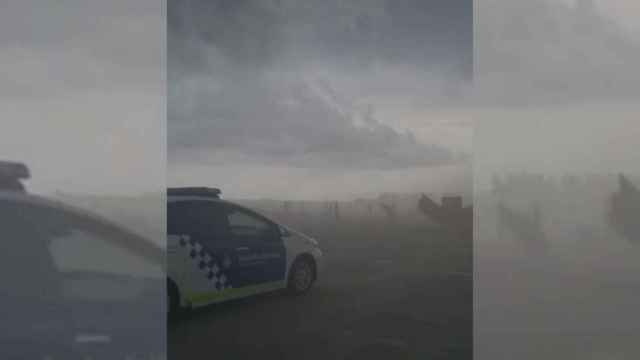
<point x="302" y="236"/>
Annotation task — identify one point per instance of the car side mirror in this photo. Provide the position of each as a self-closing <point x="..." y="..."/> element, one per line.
<point x="284" y="232"/>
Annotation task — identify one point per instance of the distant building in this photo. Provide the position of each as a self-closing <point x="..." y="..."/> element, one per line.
<point x="452" y="202"/>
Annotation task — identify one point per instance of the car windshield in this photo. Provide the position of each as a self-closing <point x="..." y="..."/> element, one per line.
<point x="69" y="255"/>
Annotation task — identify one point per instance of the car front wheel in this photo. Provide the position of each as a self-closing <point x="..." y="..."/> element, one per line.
<point x="301" y="276"/>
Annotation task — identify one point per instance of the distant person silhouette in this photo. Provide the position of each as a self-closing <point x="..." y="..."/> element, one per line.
<point x="624" y="210"/>
<point x="526" y="229"/>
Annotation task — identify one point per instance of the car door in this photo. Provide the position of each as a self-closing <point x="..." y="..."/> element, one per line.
<point x="114" y="281"/>
<point x="36" y="319"/>
<point x="260" y="253"/>
<point x="177" y="230"/>
<point x="85" y="286"/>
<point x="208" y="255"/>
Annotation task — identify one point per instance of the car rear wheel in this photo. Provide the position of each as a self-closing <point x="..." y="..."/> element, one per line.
<point x="173" y="300"/>
<point x="301" y="276"/>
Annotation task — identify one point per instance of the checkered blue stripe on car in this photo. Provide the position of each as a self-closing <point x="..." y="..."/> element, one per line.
<point x="213" y="269"/>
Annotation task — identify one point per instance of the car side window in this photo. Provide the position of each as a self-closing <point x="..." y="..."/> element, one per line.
<point x="243" y="224"/>
<point x="79" y="249"/>
<point x="77" y="256"/>
<point x="177" y="218"/>
<point x="201" y="219"/>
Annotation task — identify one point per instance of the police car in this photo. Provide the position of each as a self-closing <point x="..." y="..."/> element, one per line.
<point x="74" y="285"/>
<point x="218" y="250"/>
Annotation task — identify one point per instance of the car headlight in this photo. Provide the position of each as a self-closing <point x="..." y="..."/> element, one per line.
<point x="317" y="251"/>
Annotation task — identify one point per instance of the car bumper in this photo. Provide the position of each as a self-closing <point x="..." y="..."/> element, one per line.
<point x="319" y="258"/>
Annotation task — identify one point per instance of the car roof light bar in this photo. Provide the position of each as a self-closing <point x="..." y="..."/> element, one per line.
<point x="194" y="191"/>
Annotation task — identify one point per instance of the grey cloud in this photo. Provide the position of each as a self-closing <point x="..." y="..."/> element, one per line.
<point x="292" y="124"/>
<point x="242" y="84"/>
<point x="82" y="93"/>
<point x="260" y="33"/>
<point x="80" y="46"/>
<point x="542" y="52"/>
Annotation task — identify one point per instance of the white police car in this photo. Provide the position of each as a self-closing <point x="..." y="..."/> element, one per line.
<point x="217" y="251"/>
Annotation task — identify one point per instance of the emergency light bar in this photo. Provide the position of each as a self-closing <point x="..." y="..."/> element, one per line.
<point x="194" y="191"/>
<point x="14" y="170"/>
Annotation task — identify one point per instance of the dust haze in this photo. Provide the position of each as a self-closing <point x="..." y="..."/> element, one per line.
<point x="555" y="179"/>
<point x="82" y="96"/>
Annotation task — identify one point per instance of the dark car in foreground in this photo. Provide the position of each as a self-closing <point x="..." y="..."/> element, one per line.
<point x="76" y="286"/>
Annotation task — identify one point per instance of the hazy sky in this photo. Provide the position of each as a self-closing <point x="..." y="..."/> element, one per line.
<point x="624" y="12"/>
<point x="558" y="87"/>
<point x="82" y="93"/>
<point x="318" y="99"/>
<point x="273" y="92"/>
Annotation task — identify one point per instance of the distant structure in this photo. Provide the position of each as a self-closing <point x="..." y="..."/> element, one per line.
<point x="624" y="210"/>
<point x="450" y="214"/>
<point x="286" y="206"/>
<point x="389" y="210"/>
<point x="513" y="183"/>
<point x="452" y="202"/>
<point x="527" y="228"/>
<point x="326" y="209"/>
